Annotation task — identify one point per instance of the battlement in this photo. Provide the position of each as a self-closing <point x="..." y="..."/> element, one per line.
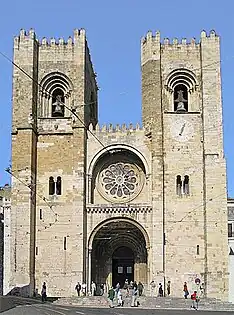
<point x="115" y="128"/>
<point x="78" y="34"/>
<point x="151" y="38"/>
<point x="152" y="45"/>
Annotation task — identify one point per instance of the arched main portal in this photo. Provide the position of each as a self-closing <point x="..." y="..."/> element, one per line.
<point x="119" y="252"/>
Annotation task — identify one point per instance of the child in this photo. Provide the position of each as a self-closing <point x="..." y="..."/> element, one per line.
<point x="195" y="300"/>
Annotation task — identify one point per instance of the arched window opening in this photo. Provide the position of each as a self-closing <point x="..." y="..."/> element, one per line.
<point x="186" y="185"/>
<point x="55" y="95"/>
<point x="58" y="101"/>
<point x="51" y="186"/>
<point x="178" y="185"/>
<point x="59" y="186"/>
<point x="180" y="98"/>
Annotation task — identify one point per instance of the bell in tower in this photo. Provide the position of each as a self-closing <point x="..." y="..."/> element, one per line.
<point x="58" y="107"/>
<point x="180" y="108"/>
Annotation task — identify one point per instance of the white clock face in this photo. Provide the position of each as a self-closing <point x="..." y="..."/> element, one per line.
<point x="181" y="129"/>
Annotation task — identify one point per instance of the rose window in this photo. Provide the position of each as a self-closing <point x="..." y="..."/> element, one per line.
<point x="120" y="181"/>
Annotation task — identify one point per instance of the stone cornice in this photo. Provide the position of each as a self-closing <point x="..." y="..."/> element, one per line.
<point x="119" y="208"/>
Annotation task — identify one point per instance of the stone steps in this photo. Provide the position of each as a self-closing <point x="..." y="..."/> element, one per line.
<point x="147" y="302"/>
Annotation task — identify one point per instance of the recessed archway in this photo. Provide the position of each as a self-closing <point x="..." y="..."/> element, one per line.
<point x="119" y="252"/>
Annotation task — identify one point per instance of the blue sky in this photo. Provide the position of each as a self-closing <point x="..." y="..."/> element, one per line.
<point x="114" y="29"/>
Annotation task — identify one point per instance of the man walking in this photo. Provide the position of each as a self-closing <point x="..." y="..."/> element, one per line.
<point x="43" y="292"/>
<point x="134" y="302"/>
<point x="78" y="288"/>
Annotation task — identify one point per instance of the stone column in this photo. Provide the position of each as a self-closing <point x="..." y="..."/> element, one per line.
<point x="89" y="269"/>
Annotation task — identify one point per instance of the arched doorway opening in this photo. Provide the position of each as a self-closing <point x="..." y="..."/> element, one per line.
<point x="119" y="252"/>
<point x="122" y="265"/>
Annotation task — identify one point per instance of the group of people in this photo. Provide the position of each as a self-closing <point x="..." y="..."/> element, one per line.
<point x="131" y="289"/>
<point x="134" y="290"/>
<point x="160" y="289"/>
<point x="81" y="289"/>
<point x="198" y="292"/>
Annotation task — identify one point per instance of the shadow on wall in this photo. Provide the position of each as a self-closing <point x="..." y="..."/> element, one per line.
<point x="20" y="291"/>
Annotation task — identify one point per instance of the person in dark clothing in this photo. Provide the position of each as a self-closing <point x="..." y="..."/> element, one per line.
<point x="43" y="292"/>
<point x="111" y="296"/>
<point x="168" y="288"/>
<point x="160" y="290"/>
<point x="101" y="289"/>
<point x="140" y="288"/>
<point x="186" y="292"/>
<point x="78" y="288"/>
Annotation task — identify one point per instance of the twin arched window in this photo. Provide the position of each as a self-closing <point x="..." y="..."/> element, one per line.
<point x="55" y="187"/>
<point x="182" y="186"/>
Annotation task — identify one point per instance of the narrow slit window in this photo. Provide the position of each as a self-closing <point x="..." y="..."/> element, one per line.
<point x="36" y="250"/>
<point x="198" y="250"/>
<point x="230" y="233"/>
<point x="186" y="185"/>
<point x="65" y="243"/>
<point x="51" y="186"/>
<point x="59" y="186"/>
<point x="40" y="214"/>
<point x="178" y="185"/>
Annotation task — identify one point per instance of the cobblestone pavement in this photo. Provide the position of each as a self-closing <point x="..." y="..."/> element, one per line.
<point x="49" y="309"/>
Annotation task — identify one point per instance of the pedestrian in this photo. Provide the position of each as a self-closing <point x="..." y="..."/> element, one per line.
<point x="43" y="292"/>
<point x="186" y="292"/>
<point x="93" y="288"/>
<point x="134" y="302"/>
<point x="160" y="290"/>
<point x="101" y="289"/>
<point x="111" y="296"/>
<point x="119" y="298"/>
<point x="78" y="288"/>
<point x="168" y="288"/>
<point x="152" y="287"/>
<point x="202" y="289"/>
<point x="140" y="288"/>
<point x="117" y="287"/>
<point x="126" y="287"/>
<point x="195" y="300"/>
<point x="83" y="289"/>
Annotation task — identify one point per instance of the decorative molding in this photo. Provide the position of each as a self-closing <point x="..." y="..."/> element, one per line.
<point x="121" y="209"/>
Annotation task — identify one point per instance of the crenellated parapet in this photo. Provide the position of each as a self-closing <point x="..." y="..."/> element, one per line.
<point x="152" y="45"/>
<point x="79" y="34"/>
<point x="110" y="128"/>
<point x="24" y="36"/>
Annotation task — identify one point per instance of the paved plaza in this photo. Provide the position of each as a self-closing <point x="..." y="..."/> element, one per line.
<point x="49" y="309"/>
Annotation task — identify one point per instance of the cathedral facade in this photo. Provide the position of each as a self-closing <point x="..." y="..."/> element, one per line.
<point x="109" y="203"/>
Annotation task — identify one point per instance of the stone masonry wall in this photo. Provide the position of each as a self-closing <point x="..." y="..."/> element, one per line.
<point x="189" y="220"/>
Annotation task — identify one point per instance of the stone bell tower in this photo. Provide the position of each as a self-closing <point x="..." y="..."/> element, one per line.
<point x="182" y="114"/>
<point x="52" y="80"/>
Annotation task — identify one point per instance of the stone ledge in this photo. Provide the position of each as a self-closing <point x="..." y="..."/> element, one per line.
<point x="119" y="209"/>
